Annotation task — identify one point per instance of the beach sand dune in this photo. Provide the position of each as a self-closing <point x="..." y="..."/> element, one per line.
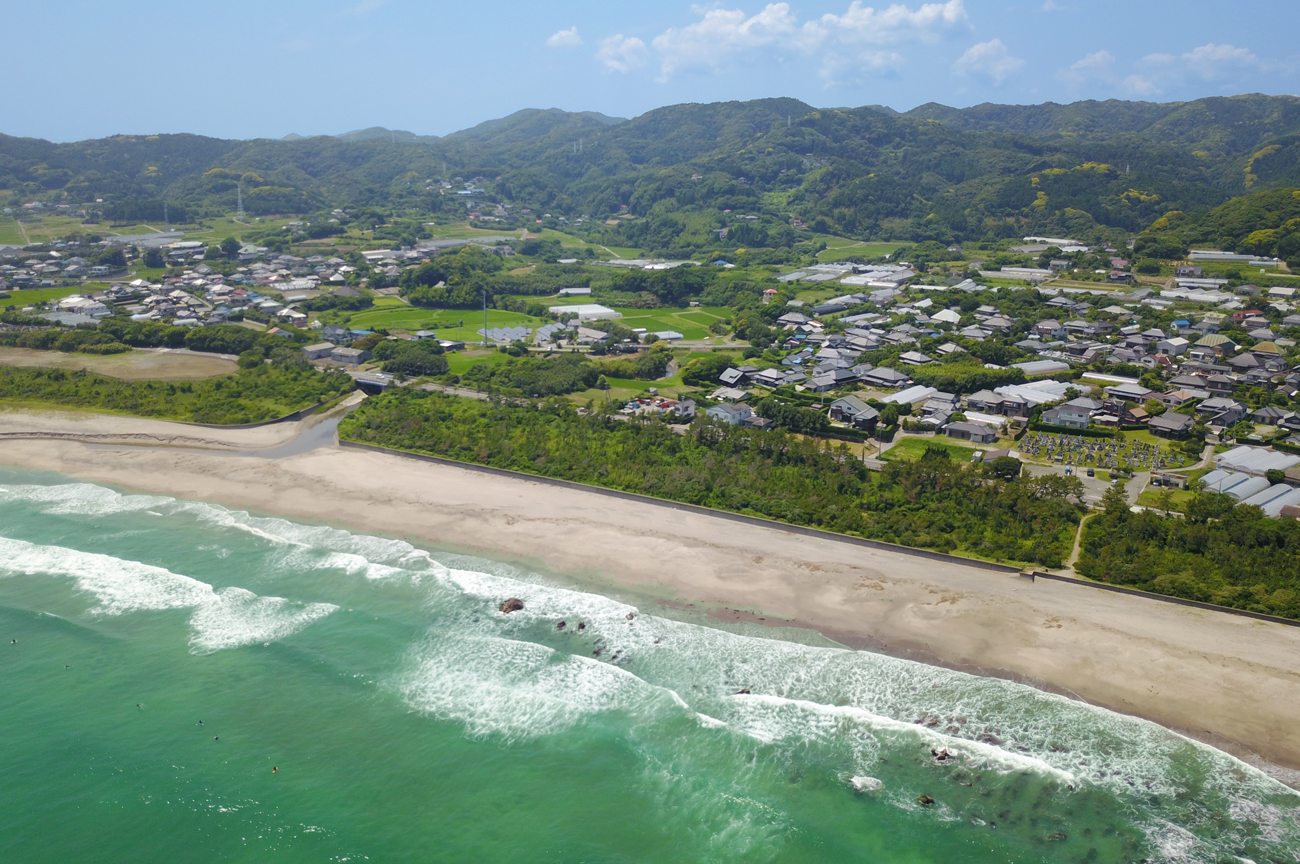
<point x="1228" y="680"/>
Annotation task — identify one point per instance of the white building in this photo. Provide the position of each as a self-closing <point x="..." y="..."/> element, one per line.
<point x="586" y="312"/>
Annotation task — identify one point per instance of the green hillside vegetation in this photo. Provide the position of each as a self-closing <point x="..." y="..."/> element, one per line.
<point x="1263" y="223"/>
<point x="934" y="502"/>
<point x="263" y="392"/>
<point x="1089" y="169"/>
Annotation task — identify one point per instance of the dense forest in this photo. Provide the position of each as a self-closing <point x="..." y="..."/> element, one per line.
<point x="934" y="173"/>
<point x="1263" y="223"/>
<point x="1219" y="552"/>
<point x="253" y="395"/>
<point x="934" y="502"/>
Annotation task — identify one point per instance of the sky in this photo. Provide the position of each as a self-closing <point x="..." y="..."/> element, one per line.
<point x="264" y="69"/>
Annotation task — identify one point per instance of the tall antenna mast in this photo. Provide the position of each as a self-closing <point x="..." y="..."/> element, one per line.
<point x="239" y="202"/>
<point x="166" y="218"/>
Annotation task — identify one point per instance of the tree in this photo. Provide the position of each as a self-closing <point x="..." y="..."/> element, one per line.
<point x="212" y="253"/>
<point x="1275" y="476"/>
<point x="230" y="246"/>
<point x="1005" y="468"/>
<point x="153" y="258"/>
<point x="1115" y="501"/>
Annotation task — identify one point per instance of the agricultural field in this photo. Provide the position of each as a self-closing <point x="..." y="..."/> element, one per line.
<point x="38" y="229"/>
<point x="131" y="366"/>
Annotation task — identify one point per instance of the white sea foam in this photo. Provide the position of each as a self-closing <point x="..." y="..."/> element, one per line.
<point x="119" y="586"/>
<point x="237" y="617"/>
<point x="221" y="619"/>
<point x="516" y="689"/>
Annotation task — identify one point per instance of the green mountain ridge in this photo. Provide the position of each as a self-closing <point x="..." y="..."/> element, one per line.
<point x="932" y="173"/>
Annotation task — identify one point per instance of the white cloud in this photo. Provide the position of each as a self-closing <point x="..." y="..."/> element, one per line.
<point x="621" y="53"/>
<point x="841" y="42"/>
<point x="863" y="24"/>
<point x="720" y="34"/>
<point x="1052" y="6"/>
<point x="991" y="59"/>
<point x="1207" y="63"/>
<point x="565" y="38"/>
<point x="1097" y="66"/>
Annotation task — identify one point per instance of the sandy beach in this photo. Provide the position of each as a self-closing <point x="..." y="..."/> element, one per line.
<point x="1228" y="680"/>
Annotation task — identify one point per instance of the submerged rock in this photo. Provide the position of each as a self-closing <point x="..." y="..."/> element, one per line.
<point x="514" y="604"/>
<point x="926" y="800"/>
<point x="560" y="626"/>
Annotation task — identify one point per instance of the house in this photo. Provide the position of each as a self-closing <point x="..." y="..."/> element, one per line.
<point x="1074" y="414"/>
<point x="319" y="351"/>
<point x="685" y="409"/>
<point x="855" y="411"/>
<point x="915" y="358"/>
<point x="886" y="378"/>
<point x="1172" y="425"/>
<point x="1175" y="347"/>
<point x="732" y="415"/>
<point x="1221" y="412"/>
<point x="1049" y="329"/>
<point x="731" y="376"/>
<point x="1129" y="392"/>
<point x="985" y="400"/>
<point x="976" y="432"/>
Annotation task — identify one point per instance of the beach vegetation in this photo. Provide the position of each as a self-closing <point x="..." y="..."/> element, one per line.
<point x="934" y="502"/>
<point x="1215" y="551"/>
<point x="252" y="395"/>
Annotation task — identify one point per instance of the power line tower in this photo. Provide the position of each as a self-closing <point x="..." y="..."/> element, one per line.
<point x="166" y="217"/>
<point x="239" y="203"/>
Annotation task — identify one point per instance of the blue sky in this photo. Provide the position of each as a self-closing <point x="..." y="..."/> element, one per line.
<point x="243" y="69"/>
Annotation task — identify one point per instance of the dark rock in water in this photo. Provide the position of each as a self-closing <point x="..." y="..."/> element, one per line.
<point x="582" y="625"/>
<point x="987" y="738"/>
<point x="514" y="604"/>
<point x="1059" y="835"/>
<point x="560" y="626"/>
<point x="630" y="616"/>
<point x="596" y="653"/>
<point x="926" y="800"/>
<point x="742" y="692"/>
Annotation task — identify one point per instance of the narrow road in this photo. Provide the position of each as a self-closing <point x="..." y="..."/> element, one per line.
<point x="1078" y="542"/>
<point x="26" y="240"/>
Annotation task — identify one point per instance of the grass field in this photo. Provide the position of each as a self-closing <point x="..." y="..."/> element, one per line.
<point x="838" y="248"/>
<point x="39" y="228"/>
<point x="30" y="296"/>
<point x="391" y="314"/>
<point x="692" y="323"/>
<point x="914" y="448"/>
<point x="132" y="366"/>
<point x="460" y="362"/>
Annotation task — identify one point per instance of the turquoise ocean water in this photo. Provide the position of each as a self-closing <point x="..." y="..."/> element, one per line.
<point x="183" y="682"/>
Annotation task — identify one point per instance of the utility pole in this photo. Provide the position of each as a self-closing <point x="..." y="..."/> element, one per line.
<point x="484" y="318"/>
<point x="166" y="218"/>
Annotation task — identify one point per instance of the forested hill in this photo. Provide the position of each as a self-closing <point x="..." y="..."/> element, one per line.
<point x="932" y="173"/>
